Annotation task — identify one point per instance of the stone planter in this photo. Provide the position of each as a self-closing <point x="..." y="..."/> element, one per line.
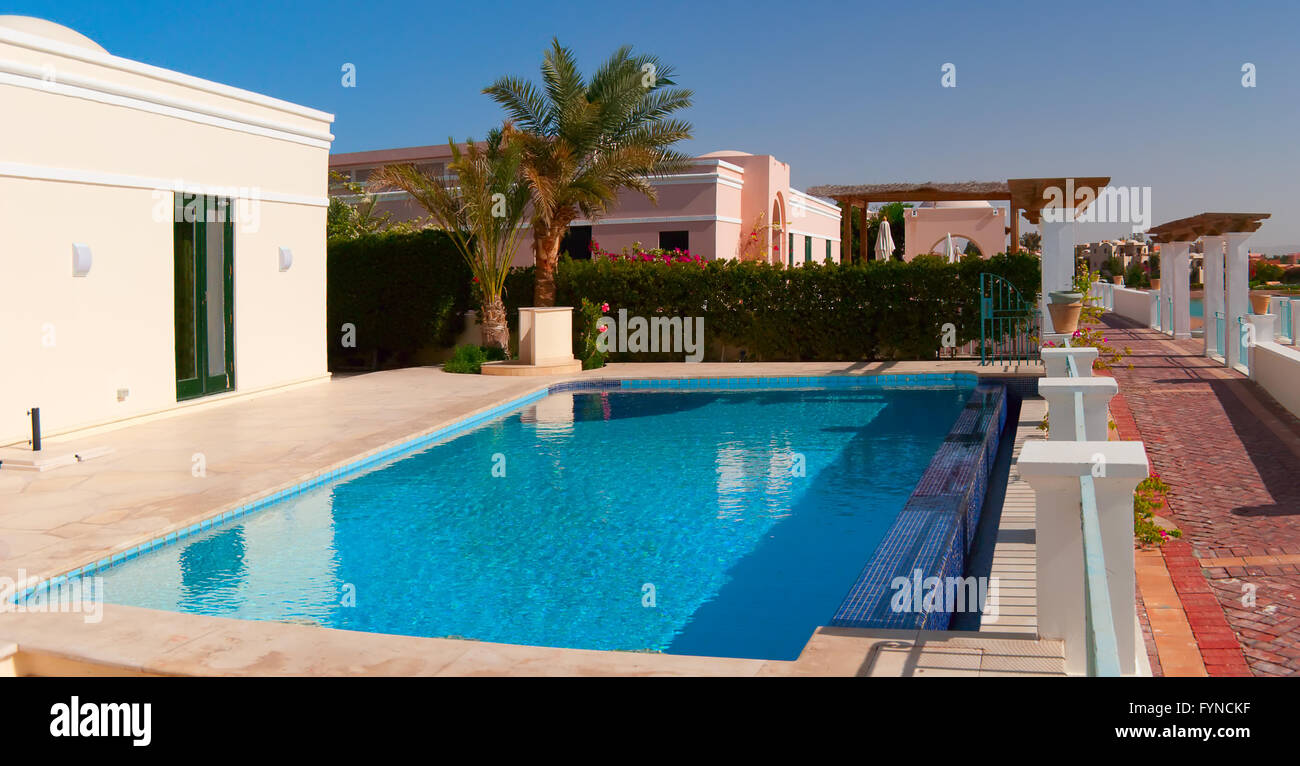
<point x="545" y="344"/>
<point x="1259" y="303"/>
<point x="1155" y="283"/>
<point x="1065" y="316"/>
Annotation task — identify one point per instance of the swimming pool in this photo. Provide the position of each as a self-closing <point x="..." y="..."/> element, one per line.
<point x="723" y="521"/>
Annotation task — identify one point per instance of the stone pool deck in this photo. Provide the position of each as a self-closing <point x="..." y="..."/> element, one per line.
<point x="147" y="486"/>
<point x="1231" y="455"/>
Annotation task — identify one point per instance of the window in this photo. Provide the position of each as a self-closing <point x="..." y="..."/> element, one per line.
<point x="790" y="252"/>
<point x="675" y="240"/>
<point x="577" y="242"/>
<point x="828" y="251"/>
<point x="807" y="249"/>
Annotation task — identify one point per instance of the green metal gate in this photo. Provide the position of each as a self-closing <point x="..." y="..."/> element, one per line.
<point x="1008" y="323"/>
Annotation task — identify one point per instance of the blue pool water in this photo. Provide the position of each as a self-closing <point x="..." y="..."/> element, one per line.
<point x="663" y="521"/>
<point x="1196" y="307"/>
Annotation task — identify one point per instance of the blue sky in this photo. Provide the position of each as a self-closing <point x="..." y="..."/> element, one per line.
<point x="1147" y="92"/>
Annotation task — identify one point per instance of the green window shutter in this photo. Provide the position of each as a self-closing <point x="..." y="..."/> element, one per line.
<point x="828" y="251"/>
<point x="790" y="252"/>
<point x="807" y="249"/>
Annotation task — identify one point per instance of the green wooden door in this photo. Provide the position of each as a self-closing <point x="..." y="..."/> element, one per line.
<point x="204" y="250"/>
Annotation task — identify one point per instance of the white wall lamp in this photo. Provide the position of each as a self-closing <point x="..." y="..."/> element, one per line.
<point x="286" y="258"/>
<point x="81" y="260"/>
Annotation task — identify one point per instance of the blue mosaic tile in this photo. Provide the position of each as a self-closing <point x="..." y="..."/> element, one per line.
<point x="933" y="533"/>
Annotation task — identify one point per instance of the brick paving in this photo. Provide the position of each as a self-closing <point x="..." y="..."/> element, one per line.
<point x="1231" y="455"/>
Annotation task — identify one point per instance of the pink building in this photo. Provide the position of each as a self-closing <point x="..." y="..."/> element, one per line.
<point x="712" y="209"/>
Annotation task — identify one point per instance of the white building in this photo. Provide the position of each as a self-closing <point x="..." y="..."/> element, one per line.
<point x="162" y="237"/>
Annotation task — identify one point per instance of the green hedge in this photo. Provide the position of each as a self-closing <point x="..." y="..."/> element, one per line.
<point x="403" y="292"/>
<point x="890" y="310"/>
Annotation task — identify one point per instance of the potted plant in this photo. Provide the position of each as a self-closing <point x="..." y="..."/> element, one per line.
<point x="1064" y="308"/>
<point x="1118" y="279"/>
<point x="1259" y="302"/>
<point x="1155" y="283"/>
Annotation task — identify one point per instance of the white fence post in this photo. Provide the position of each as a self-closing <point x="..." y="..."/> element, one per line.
<point x="1053" y="469"/>
<point x="1054" y="359"/>
<point x="1059" y="393"/>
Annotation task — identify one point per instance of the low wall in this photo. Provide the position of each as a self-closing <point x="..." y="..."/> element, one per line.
<point x="1277" y="369"/>
<point x="1133" y="304"/>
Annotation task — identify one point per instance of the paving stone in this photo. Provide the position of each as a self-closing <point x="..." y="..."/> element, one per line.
<point x="1231" y="455"/>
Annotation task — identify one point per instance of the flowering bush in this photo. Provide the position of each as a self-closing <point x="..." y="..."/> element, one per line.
<point x="1147" y="499"/>
<point x="1107" y="355"/>
<point x="589" y="331"/>
<point x="638" y="254"/>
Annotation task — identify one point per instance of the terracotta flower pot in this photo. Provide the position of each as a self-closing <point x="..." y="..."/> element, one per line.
<point x="1155" y="283"/>
<point x="1259" y="303"/>
<point x="1118" y="280"/>
<point x="1065" y="316"/>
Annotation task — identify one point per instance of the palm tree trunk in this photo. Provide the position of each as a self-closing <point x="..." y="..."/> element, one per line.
<point x="546" y="254"/>
<point x="496" y="334"/>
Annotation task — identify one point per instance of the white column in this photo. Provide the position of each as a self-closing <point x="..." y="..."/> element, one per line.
<point x="1053" y="469"/>
<point x="1058" y="257"/>
<point x="1166" y="278"/>
<point x="1059" y="393"/>
<point x="1294" y="329"/>
<point x="1054" y="360"/>
<point x="1178" y="278"/>
<point x="1261" y="331"/>
<point x="1236" y="275"/>
<point x="1154" y="298"/>
<point x="1213" y="301"/>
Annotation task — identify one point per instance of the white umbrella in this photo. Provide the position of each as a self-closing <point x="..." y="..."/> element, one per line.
<point x="949" y="250"/>
<point x="884" y="241"/>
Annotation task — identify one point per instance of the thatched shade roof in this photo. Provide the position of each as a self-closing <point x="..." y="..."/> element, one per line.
<point x="1206" y="224"/>
<point x="930" y="191"/>
<point x="1031" y="194"/>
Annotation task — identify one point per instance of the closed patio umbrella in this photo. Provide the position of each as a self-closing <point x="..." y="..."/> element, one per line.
<point x="949" y="250"/>
<point x="884" y="241"/>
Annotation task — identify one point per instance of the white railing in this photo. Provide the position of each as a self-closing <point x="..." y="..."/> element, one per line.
<point x="1084" y="486"/>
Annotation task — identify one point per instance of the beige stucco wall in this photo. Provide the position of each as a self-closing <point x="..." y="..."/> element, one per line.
<point x="925" y="229"/>
<point x="93" y="158"/>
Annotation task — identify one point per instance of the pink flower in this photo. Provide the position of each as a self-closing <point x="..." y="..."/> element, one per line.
<point x="604" y="307"/>
<point x="1078" y="333"/>
<point x="602" y="328"/>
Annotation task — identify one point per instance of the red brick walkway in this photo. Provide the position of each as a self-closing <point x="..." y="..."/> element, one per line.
<point x="1231" y="455"/>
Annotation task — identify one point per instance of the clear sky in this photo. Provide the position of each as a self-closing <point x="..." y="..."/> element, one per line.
<point x="1149" y="93"/>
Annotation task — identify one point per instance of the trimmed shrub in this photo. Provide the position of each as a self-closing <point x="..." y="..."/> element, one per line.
<point x="889" y="310"/>
<point x="402" y="292"/>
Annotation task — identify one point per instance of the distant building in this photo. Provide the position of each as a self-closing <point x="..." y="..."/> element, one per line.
<point x="1127" y="250"/>
<point x="709" y="209"/>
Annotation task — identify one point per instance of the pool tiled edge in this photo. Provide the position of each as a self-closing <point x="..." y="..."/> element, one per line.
<point x="933" y="532"/>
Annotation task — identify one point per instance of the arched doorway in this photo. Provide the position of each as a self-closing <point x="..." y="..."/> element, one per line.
<point x="961" y="243"/>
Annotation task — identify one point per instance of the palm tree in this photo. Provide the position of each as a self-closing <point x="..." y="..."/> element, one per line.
<point x="481" y="213"/>
<point x="583" y="142"/>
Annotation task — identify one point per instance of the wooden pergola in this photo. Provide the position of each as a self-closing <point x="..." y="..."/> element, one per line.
<point x="1194" y="227"/>
<point x="1227" y="275"/>
<point x="1025" y="196"/>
